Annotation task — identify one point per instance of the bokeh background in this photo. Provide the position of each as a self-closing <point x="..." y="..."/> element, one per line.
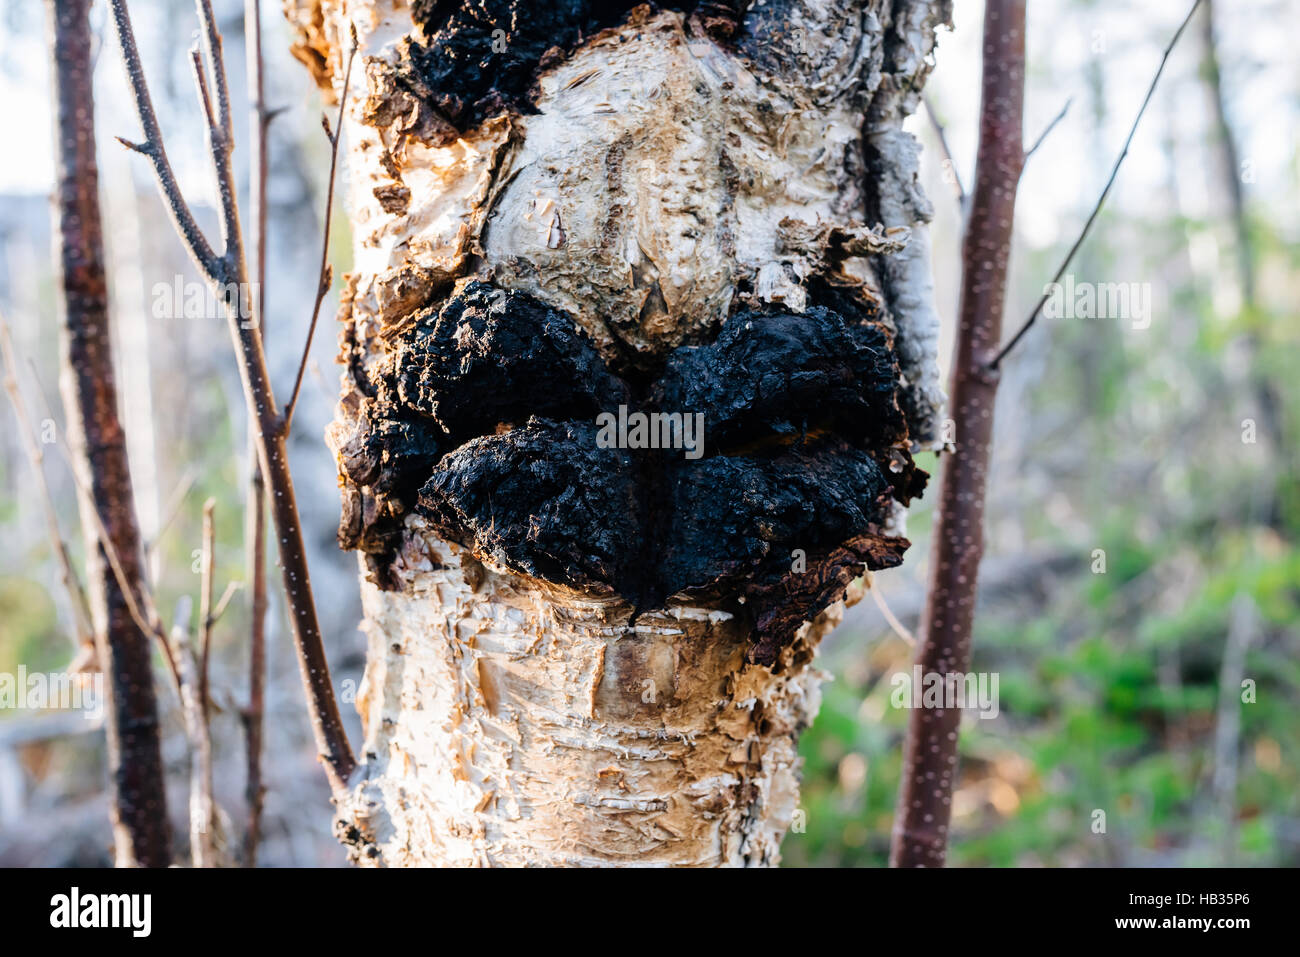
<point x="1168" y="452"/>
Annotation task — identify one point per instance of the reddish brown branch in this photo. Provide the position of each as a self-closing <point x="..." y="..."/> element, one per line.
<point x="228" y="275"/>
<point x="326" y="275"/>
<point x="139" y="806"/>
<point x="182" y="217"/>
<point x="930" y="756"/>
<point x="255" y="514"/>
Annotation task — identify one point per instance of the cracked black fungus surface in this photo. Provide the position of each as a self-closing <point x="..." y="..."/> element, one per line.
<point x="779" y="373"/>
<point x="482" y="419"/>
<point x="489" y="356"/>
<point x="541" y="499"/>
<point x="478" y="58"/>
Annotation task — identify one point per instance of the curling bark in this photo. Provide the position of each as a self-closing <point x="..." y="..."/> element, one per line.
<point x="139" y="807"/>
<point x="588" y="656"/>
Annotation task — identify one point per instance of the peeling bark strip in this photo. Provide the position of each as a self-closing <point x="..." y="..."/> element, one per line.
<point x="583" y="654"/>
<point x="139" y="808"/>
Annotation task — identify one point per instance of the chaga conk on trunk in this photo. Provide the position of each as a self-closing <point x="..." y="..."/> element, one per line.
<point x="479" y="417"/>
<point x="638" y="347"/>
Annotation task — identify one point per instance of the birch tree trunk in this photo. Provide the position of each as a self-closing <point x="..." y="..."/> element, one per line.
<point x="586" y="648"/>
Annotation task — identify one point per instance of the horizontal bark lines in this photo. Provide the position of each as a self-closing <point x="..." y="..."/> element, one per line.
<point x="514" y="726"/>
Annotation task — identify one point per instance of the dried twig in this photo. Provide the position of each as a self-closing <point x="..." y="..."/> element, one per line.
<point x="1046" y="130"/>
<point x="141" y="607"/>
<point x="71" y="580"/>
<point x="890" y="618"/>
<point x="1101" y="200"/>
<point x="228" y="275"/>
<point x="950" y="166"/>
<point x="170" y="510"/>
<point x="207" y="561"/>
<point x="326" y="276"/>
<point x="203" y="817"/>
<point x="224" y="601"/>
<point x="1242" y="629"/>
<point x="143" y="611"/>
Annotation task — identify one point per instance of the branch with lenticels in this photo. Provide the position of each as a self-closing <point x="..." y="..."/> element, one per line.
<point x="227" y="273"/>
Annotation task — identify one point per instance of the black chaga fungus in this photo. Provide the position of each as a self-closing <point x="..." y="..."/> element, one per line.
<point x="788" y="533"/>
<point x="490" y="356"/>
<point x="479" y="58"/>
<point x="382" y="466"/>
<point x="394" y="457"/>
<point x="783" y="374"/>
<point x="483" y="419"/>
<point x="733" y="517"/>
<point x="781" y="606"/>
<point x="542" y="500"/>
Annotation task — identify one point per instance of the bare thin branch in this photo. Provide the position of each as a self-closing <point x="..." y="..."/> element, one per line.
<point x="228" y="593"/>
<point x="207" y="562"/>
<point x="146" y="617"/>
<point x="1046" y="130"/>
<point x="1101" y="200"/>
<point x="221" y="143"/>
<point x="71" y="580"/>
<point x="203" y="817"/>
<point x="229" y="277"/>
<point x="211" y="40"/>
<point x="924" y="807"/>
<point x="890" y="618"/>
<point x="950" y="166"/>
<point x="170" y="510"/>
<point x="326" y="271"/>
<point x="201" y="85"/>
<point x="152" y="147"/>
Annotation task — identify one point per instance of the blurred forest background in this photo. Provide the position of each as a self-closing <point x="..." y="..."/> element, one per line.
<point x="1144" y="500"/>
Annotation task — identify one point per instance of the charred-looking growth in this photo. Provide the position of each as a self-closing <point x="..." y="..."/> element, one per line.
<point x="478" y="416"/>
<point x="638" y="347"/>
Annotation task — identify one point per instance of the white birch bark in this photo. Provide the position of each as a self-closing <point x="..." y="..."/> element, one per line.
<point x="663" y="179"/>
